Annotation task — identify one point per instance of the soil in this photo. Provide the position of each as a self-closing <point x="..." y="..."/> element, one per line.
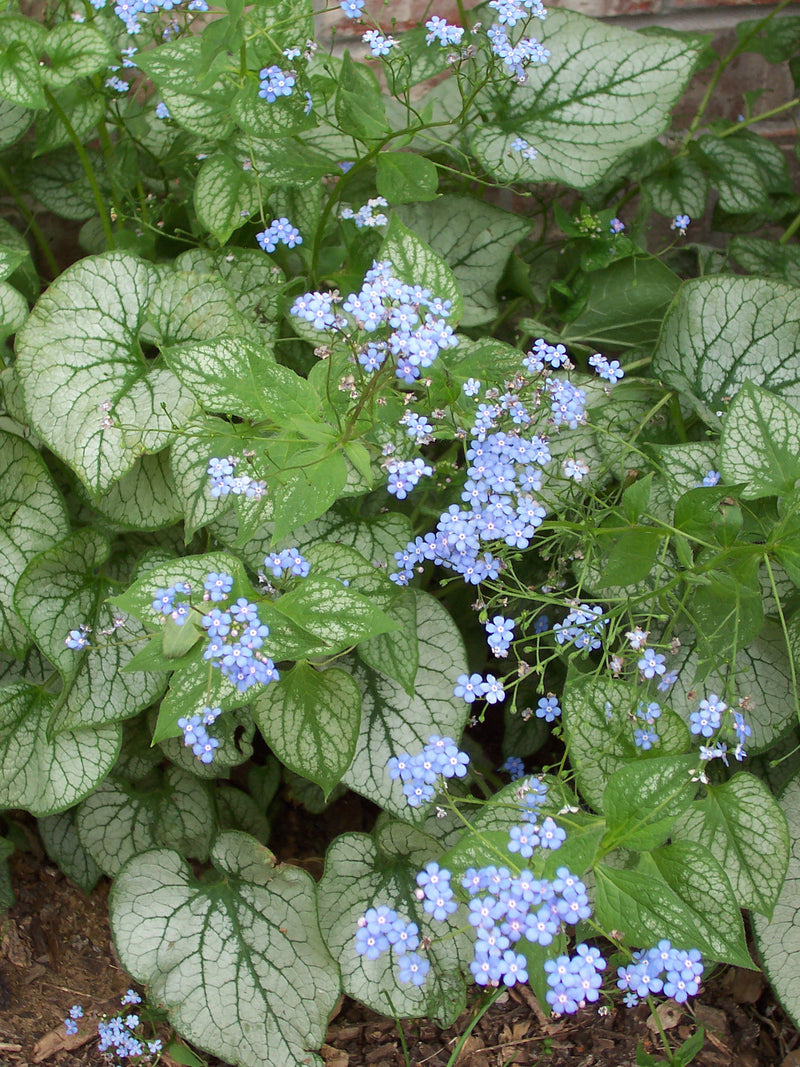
<point x="56" y="951"/>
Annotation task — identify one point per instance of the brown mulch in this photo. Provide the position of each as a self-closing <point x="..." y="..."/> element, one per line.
<point x="55" y="951"/>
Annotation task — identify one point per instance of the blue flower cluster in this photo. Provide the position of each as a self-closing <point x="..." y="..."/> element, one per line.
<point x="513" y="766"/>
<point x="235" y="635"/>
<point x="404" y="474"/>
<point x="472" y="687"/>
<point x="510" y="12"/>
<point x="663" y="969"/>
<point x="439" y="30"/>
<point x="224" y="482"/>
<point x="382" y="928"/>
<point x="500" y="634"/>
<point x="275" y="82"/>
<point x="582" y="627"/>
<point x="129" y="10"/>
<point x="517" y="56"/>
<point x="196" y="736"/>
<point x="117" y="1036"/>
<point x="279" y="232"/>
<point x="288" y="559"/>
<point x="411" y="316"/>
<point x="367" y="217"/>
<point x="710" y="720"/>
<point x="78" y="639"/>
<point x="574" y="981"/>
<point x="379" y="45"/>
<point x="645" y="737"/>
<point x="609" y="370"/>
<point x="527" y="151"/>
<point x="419" y="774"/>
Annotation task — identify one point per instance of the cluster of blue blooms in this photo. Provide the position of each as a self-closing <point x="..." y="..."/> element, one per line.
<point x="366" y="217"/>
<point x="78" y="639"/>
<point x="527" y="151"/>
<point x="235" y="634"/>
<point x="196" y="736"/>
<point x="662" y="969"/>
<point x="130" y="10"/>
<point x="583" y="627"/>
<point x="404" y="474"/>
<point x="506" y="908"/>
<point x="419" y="774"/>
<point x="410" y="315"/>
<point x="279" y="232"/>
<point x="117" y="1036"/>
<point x="275" y="82"/>
<point x="500" y="634"/>
<point x="440" y="30"/>
<point x="708" y="720"/>
<point x="472" y="687"/>
<point x="288" y="559"/>
<point x="378" y="43"/>
<point x="574" y="981"/>
<point x="224" y="481"/>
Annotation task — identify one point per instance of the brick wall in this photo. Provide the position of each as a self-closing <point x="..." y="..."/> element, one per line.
<point x="748" y="71"/>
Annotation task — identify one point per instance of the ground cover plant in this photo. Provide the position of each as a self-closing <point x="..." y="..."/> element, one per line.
<point x="318" y="456"/>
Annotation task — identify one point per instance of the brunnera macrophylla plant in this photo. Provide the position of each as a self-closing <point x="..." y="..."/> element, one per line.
<point x="314" y="458"/>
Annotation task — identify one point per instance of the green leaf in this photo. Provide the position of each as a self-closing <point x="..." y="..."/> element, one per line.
<point x="306" y="493"/>
<point x="331" y="559"/>
<point x="283" y="117"/>
<point x="604" y="91"/>
<point x="284" y="161"/>
<point x="624" y="304"/>
<point x="60" y="840"/>
<point x="80" y="349"/>
<point x="679" y="187"/>
<point x="253" y="281"/>
<point x="188" y="457"/>
<point x="33" y="517"/>
<point x="332" y="613"/>
<point x="229" y="375"/>
<point x="311" y="719"/>
<point x="59" y="183"/>
<point x="61" y="588"/>
<point x="14" y="121"/>
<point x="360" y="875"/>
<point x="75" y="51"/>
<point x="724" y="331"/>
<point x="119" y="820"/>
<point x="394" y="722"/>
<point x="416" y="263"/>
<point x="224" y="196"/>
<point x="13" y="310"/>
<point x="45" y="775"/>
<point x="239" y="811"/>
<point x="475" y="239"/>
<point x="642" y="801"/>
<point x="743" y="827"/>
<point x="761" y="443"/>
<point x="679" y="891"/>
<point x="778" y="938"/>
<point x="359" y="105"/>
<point x="769" y="259"/>
<point x="404" y="177"/>
<point x="238" y="964"/>
<point x="597" y="722"/>
<point x="20" y="77"/>
<point x="734" y="171"/>
<point x="144" y="498"/>
<point x="727" y="613"/>
<point x="397" y="654"/>
<point x="631" y="556"/>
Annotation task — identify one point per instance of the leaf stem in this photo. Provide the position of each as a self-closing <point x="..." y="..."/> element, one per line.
<point x="87" y="167"/>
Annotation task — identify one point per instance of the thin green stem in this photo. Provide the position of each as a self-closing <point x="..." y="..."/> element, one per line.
<point x="87" y="167"/>
<point x="790" y="230"/>
<point x="488" y="1001"/>
<point x="759" y="118"/>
